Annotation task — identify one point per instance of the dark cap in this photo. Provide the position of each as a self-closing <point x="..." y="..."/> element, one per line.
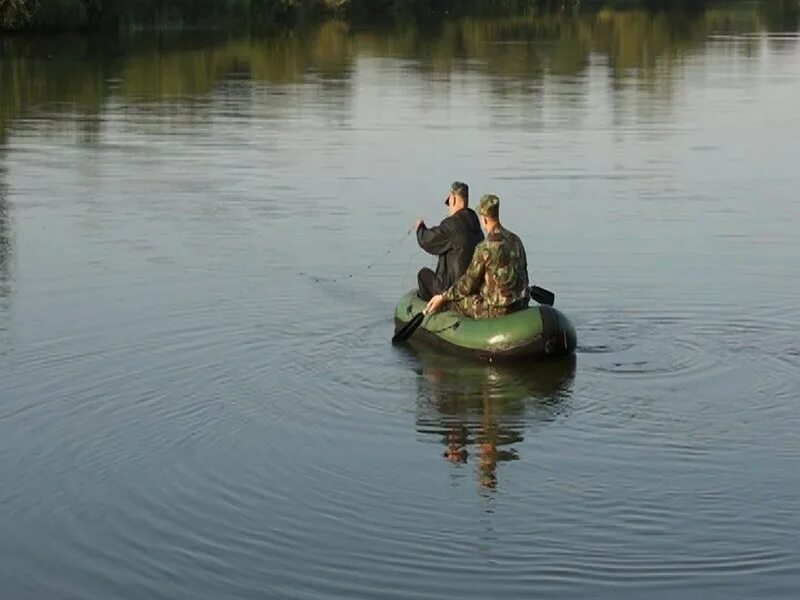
<point x="459" y="188"/>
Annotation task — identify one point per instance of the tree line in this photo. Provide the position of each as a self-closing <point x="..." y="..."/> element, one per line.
<point x="60" y="15"/>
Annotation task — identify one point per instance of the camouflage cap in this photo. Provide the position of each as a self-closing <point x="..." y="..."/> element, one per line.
<point x="487" y="202"/>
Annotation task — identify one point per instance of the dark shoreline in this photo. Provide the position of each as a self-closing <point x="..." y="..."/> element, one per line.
<point x="91" y="16"/>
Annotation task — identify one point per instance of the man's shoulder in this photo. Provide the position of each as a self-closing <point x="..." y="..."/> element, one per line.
<point x="462" y="218"/>
<point x="511" y="236"/>
<point x="503" y="238"/>
<point x="448" y="223"/>
<point x="517" y="248"/>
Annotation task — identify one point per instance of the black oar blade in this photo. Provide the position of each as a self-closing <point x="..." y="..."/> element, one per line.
<point x="542" y="296"/>
<point x="409" y="328"/>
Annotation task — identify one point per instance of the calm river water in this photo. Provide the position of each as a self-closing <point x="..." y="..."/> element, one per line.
<point x="186" y="412"/>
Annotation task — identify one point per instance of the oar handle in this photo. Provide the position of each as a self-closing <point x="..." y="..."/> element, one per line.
<point x="542" y="296"/>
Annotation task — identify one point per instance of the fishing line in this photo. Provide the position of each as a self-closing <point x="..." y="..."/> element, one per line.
<point x="405" y="273"/>
<point x="392" y="248"/>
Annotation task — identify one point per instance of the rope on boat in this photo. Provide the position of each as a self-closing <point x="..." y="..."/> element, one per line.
<point x="454" y="325"/>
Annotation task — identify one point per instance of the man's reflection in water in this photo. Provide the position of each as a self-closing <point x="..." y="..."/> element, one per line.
<point x="6" y="248"/>
<point x="6" y="257"/>
<point x="479" y="410"/>
<point x="488" y="438"/>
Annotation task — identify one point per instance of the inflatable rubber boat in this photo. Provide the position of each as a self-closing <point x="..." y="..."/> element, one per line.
<point x="535" y="332"/>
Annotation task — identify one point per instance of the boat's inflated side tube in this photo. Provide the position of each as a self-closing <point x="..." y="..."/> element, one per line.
<point x="536" y="332"/>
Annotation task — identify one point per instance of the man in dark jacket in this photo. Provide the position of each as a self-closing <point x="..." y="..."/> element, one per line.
<point x="453" y="240"/>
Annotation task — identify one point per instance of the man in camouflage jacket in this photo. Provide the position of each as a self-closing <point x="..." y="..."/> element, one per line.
<point x="496" y="281"/>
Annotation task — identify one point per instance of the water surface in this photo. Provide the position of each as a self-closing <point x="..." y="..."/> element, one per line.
<point x="198" y="397"/>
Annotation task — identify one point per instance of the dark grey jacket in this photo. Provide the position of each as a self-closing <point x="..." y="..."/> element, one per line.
<point x="454" y="241"/>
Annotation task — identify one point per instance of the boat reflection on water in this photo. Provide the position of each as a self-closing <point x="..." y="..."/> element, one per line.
<point x="479" y="411"/>
<point x="6" y="248"/>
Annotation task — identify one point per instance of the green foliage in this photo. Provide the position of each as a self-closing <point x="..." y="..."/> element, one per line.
<point x="15" y="14"/>
<point x="75" y="14"/>
<point x="113" y="14"/>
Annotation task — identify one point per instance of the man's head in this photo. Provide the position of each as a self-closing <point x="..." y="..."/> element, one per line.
<point x="458" y="197"/>
<point x="489" y="211"/>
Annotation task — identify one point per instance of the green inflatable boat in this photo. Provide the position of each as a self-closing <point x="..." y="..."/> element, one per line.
<point x="536" y="332"/>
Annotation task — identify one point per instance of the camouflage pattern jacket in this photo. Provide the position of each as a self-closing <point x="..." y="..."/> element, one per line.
<point x="496" y="281"/>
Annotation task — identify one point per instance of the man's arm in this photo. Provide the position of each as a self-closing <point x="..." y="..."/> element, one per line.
<point x="470" y="282"/>
<point x="434" y="240"/>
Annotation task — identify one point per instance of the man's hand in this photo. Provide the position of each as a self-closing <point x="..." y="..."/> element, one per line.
<point x="419" y="223"/>
<point x="434" y="304"/>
